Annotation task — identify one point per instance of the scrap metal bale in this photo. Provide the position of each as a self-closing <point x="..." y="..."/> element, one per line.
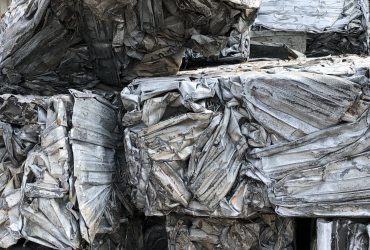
<point x="266" y="232"/>
<point x="215" y="144"/>
<point x="335" y="234"/>
<point x="48" y="46"/>
<point x="41" y="177"/>
<point x="333" y="27"/>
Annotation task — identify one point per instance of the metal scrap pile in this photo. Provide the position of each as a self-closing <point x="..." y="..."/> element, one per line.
<point x="215" y="158"/>
<point x="217" y="151"/>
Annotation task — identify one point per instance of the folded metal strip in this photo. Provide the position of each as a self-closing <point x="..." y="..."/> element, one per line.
<point x="94" y="152"/>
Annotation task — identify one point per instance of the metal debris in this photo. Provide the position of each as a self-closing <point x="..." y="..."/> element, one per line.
<point x="44" y="180"/>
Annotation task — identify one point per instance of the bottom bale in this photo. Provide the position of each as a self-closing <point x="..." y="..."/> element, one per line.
<point x="268" y="231"/>
<point x="342" y="234"/>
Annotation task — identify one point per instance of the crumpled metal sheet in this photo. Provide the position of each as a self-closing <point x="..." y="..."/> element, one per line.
<point x="212" y="142"/>
<point x="48" y="47"/>
<point x="342" y="234"/>
<point x="292" y="39"/>
<point x="267" y="232"/>
<point x="333" y="27"/>
<point x="10" y="200"/>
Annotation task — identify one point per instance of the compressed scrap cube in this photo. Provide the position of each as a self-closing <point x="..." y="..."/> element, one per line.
<point x="225" y="143"/>
<point x="49" y="46"/>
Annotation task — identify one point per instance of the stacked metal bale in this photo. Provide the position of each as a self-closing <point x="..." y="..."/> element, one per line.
<point x="333" y="27"/>
<point x="212" y="147"/>
<point x="48" y="46"/>
<point x="229" y="155"/>
<point x="283" y="28"/>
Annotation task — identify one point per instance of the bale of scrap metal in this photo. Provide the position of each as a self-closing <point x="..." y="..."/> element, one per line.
<point x="268" y="231"/>
<point x="346" y="234"/>
<point x="48" y="46"/>
<point x="60" y="173"/>
<point x="216" y="143"/>
<point x="333" y="26"/>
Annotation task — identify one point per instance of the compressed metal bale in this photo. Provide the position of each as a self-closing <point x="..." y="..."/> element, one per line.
<point x="49" y="46"/>
<point x="341" y="233"/>
<point x="40" y="198"/>
<point x="333" y="27"/>
<point x="196" y="143"/>
<point x="209" y="150"/>
<point x="266" y="232"/>
<point x="314" y="28"/>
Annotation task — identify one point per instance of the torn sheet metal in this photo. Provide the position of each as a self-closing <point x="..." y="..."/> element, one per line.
<point x="47" y="47"/>
<point x="295" y="40"/>
<point x="333" y="27"/>
<point x="267" y="232"/>
<point x="348" y="234"/>
<point x="50" y="223"/>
